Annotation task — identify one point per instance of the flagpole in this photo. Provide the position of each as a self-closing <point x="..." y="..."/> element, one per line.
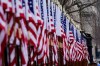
<point x="29" y="55"/>
<point x="29" y="46"/>
<point x="8" y="45"/>
<point x="18" y="47"/>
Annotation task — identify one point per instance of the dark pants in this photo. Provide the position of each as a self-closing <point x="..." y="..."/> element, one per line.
<point x="90" y="54"/>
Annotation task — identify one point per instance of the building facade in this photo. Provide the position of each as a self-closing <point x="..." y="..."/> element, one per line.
<point x="85" y="14"/>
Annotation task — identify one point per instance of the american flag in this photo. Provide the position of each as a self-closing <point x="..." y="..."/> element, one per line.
<point x="43" y="10"/>
<point x="55" y="46"/>
<point x="40" y="50"/>
<point x="71" y="34"/>
<point x="38" y="14"/>
<point x="79" y="46"/>
<point x="21" y="33"/>
<point x="11" y="36"/>
<point x="85" y="49"/>
<point x="31" y="5"/>
<point x="73" y="53"/>
<point x="65" y="43"/>
<point x="19" y="8"/>
<point x="32" y="27"/>
<point x="51" y="20"/>
<point x="62" y="26"/>
<point x="54" y="10"/>
<point x="42" y="41"/>
<point x="71" y="41"/>
<point x="3" y="32"/>
<point x="10" y="10"/>
<point x="79" y="49"/>
<point x="76" y="50"/>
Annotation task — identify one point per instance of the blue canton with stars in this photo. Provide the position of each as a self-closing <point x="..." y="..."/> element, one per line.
<point x="54" y="9"/>
<point x="47" y="10"/>
<point x="41" y="6"/>
<point x="77" y="38"/>
<point x="50" y="9"/>
<point x="71" y="28"/>
<point x="23" y="3"/>
<point x="31" y="5"/>
<point x="64" y="24"/>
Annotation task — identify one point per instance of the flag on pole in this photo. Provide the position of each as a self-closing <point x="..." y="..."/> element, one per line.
<point x="65" y="43"/>
<point x="11" y="41"/>
<point x="51" y="17"/>
<point x="53" y="37"/>
<point x="10" y="10"/>
<point x="22" y="35"/>
<point x="3" y="33"/>
<point x="37" y="13"/>
<point x="43" y="11"/>
<point x="71" y="34"/>
<point x="42" y="48"/>
<point x="32" y="27"/>
<point x="71" y="41"/>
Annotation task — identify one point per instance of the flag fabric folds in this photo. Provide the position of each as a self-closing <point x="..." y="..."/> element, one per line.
<point x="3" y="32"/>
<point x="30" y="30"/>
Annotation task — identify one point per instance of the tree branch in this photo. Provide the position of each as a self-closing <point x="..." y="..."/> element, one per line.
<point x="82" y="7"/>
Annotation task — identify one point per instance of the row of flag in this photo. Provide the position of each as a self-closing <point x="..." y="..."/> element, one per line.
<point x="34" y="26"/>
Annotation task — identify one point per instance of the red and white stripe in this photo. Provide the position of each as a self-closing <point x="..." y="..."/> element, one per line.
<point x="40" y="33"/>
<point x="73" y="53"/>
<point x="24" y="42"/>
<point x="65" y="50"/>
<point x="37" y="14"/>
<point x="85" y="51"/>
<point x="71" y="42"/>
<point x="11" y="35"/>
<point x="20" y="12"/>
<point x="11" y="32"/>
<point x="10" y="6"/>
<point x="19" y="41"/>
<point x="32" y="30"/>
<point x="79" y="49"/>
<point x="71" y="38"/>
<point x="32" y="27"/>
<point x="3" y="31"/>
<point x="45" y="48"/>
<point x="55" y="49"/>
<point x="23" y="33"/>
<point x="32" y="55"/>
<point x="51" y="24"/>
<point x="12" y="56"/>
<point x="17" y="33"/>
<point x="51" y="28"/>
<point x="40" y="43"/>
<point x="4" y="4"/>
<point x="24" y="54"/>
<point x="19" y="9"/>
